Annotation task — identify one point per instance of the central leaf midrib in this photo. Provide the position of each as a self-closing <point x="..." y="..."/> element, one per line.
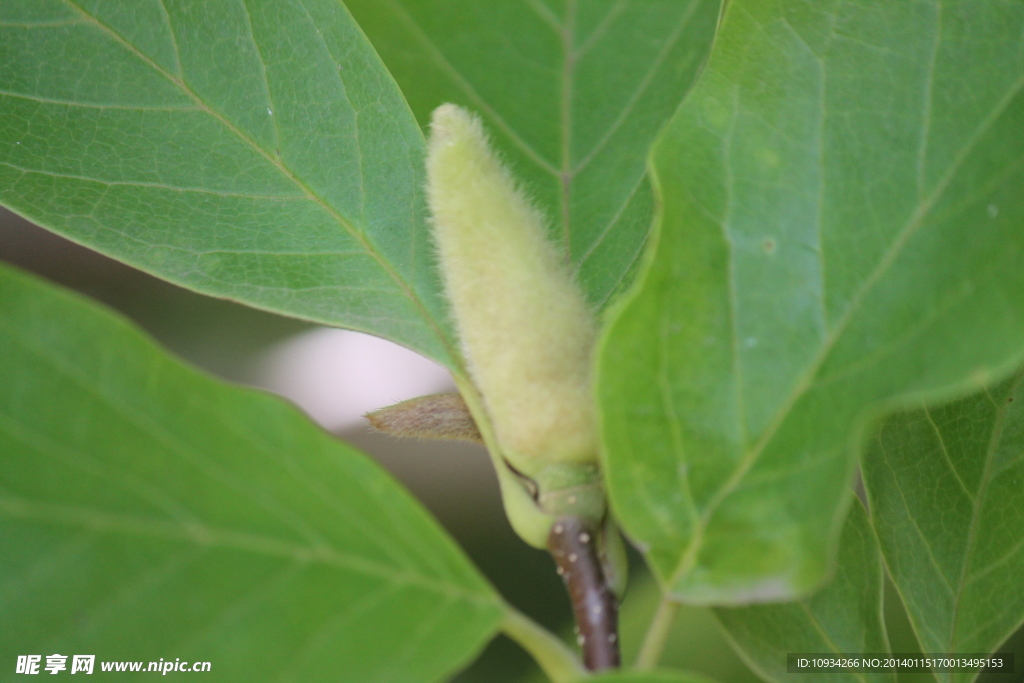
<point x="285" y="171"/>
<point x="565" y="92"/>
<point x="565" y="173"/>
<point x="97" y="521"/>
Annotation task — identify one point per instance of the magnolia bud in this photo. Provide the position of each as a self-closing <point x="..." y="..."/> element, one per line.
<point x="526" y="329"/>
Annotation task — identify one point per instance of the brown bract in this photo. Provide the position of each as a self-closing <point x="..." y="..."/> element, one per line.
<point x="438" y="416"/>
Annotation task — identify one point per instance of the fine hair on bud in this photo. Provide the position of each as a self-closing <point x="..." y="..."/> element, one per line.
<point x="525" y="327"/>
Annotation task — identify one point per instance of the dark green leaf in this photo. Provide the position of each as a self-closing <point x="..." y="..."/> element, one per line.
<point x="843" y="617"/>
<point x="843" y="201"/>
<point x="148" y="511"/>
<point x="946" y="487"/>
<point x="252" y="149"/>
<point x="573" y="92"/>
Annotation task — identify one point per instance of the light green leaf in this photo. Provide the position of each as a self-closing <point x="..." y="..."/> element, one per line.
<point x="844" y="617"/>
<point x="843" y="202"/>
<point x="253" y="149"/>
<point x="946" y="487"/>
<point x="573" y="92"/>
<point x="148" y="511"/>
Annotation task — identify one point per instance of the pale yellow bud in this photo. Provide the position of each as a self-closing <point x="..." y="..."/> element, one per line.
<point x="526" y="330"/>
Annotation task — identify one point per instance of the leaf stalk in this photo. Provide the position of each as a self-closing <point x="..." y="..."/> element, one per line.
<point x="657" y="634"/>
<point x="555" y="658"/>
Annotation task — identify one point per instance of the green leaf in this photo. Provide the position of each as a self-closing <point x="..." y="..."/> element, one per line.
<point x="844" y="617"/>
<point x="946" y="487"/>
<point x="573" y="93"/>
<point x="256" y="150"/>
<point x="841" y="231"/>
<point x="148" y="511"/>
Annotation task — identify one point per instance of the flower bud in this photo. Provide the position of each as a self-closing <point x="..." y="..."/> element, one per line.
<point x="526" y="330"/>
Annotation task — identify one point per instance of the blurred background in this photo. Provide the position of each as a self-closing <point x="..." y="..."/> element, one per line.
<point x="336" y="376"/>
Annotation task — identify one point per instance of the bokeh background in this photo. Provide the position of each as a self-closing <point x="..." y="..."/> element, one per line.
<point x="336" y="376"/>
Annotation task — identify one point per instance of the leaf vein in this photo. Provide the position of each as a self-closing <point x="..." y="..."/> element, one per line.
<point x="154" y="185"/>
<point x="174" y="38"/>
<point x="545" y="14"/>
<point x="927" y="97"/>
<point x="601" y="29"/>
<point x="478" y="101"/>
<point x="986" y="480"/>
<point x="820" y="628"/>
<point x="638" y="92"/>
<point x="102" y="522"/>
<point x="945" y="455"/>
<point x="175" y="445"/>
<point x="807" y="378"/>
<point x="263" y="72"/>
<point x="404" y="286"/>
<point x="92" y="105"/>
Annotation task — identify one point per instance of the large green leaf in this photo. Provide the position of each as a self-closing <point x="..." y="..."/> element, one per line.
<point x="148" y="511"/>
<point x="842" y="230"/>
<point x="844" y="617"/>
<point x="946" y="487"/>
<point x="251" y="149"/>
<point x="574" y="93"/>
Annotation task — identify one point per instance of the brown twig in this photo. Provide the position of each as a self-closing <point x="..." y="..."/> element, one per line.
<point x="573" y="543"/>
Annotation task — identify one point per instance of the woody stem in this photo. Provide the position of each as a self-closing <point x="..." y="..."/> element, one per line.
<point x="573" y="544"/>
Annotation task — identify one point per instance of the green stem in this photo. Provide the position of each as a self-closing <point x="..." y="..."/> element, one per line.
<point x="559" y="662"/>
<point x="654" y="641"/>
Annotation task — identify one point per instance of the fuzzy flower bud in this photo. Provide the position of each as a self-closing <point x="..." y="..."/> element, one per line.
<point x="526" y="330"/>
